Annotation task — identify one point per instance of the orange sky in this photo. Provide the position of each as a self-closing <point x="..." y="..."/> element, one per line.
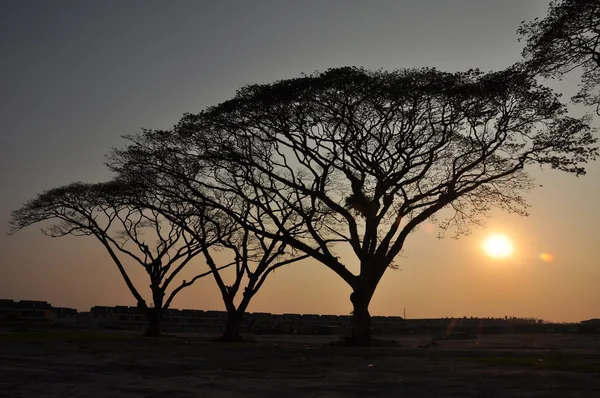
<point x="436" y="278"/>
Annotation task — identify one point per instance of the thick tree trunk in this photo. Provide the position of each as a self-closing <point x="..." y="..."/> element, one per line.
<point x="153" y="315"/>
<point x="361" y="320"/>
<point x="235" y="317"/>
<point x="232" y="327"/>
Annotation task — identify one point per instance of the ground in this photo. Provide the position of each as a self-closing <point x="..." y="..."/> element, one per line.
<point x="111" y="364"/>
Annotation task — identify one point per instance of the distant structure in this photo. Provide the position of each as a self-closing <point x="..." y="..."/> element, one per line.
<point x="28" y="314"/>
<point x="187" y="320"/>
<point x="40" y="314"/>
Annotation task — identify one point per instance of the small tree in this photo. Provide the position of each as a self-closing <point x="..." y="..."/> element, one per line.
<point x="566" y="39"/>
<point x="363" y="158"/>
<point x="111" y="213"/>
<point x="255" y="256"/>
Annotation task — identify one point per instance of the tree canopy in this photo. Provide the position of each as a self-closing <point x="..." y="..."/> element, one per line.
<point x="363" y="157"/>
<point x="253" y="253"/>
<point x="120" y="215"/>
<point x="566" y="39"/>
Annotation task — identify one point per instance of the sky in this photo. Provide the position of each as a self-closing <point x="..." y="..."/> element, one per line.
<point x="76" y="76"/>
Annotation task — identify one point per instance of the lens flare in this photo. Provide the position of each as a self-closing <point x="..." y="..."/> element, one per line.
<point x="547" y="257"/>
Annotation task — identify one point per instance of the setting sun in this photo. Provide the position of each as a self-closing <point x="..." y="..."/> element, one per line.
<point x="498" y="246"/>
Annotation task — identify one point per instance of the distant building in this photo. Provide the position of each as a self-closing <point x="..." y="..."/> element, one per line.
<point x="35" y="314"/>
<point x="26" y="313"/>
<point x="66" y="316"/>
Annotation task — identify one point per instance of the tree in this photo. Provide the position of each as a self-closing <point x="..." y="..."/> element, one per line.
<point x="566" y="39"/>
<point x="111" y="212"/>
<point x="362" y="158"/>
<point x="254" y="255"/>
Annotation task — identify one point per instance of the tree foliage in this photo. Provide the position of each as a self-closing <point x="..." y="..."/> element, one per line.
<point x="362" y="158"/>
<point x="566" y="39"/>
<point x="119" y="216"/>
<point x="155" y="161"/>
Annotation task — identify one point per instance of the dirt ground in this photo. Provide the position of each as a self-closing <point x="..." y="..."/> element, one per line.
<point x="102" y="364"/>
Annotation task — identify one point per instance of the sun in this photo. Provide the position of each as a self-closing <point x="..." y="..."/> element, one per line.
<point x="498" y="246"/>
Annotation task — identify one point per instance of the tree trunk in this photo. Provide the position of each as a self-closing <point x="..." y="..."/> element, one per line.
<point x="235" y="317"/>
<point x="153" y="315"/>
<point x="232" y="328"/>
<point x="361" y="319"/>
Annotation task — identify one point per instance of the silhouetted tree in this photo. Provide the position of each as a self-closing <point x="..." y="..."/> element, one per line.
<point x="254" y="255"/>
<point x="111" y="212"/>
<point x="566" y="39"/>
<point x="362" y="158"/>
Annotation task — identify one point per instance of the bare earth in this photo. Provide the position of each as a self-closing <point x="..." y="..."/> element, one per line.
<point x="103" y="364"/>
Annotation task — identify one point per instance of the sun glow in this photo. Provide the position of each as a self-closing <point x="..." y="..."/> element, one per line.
<point x="498" y="246"/>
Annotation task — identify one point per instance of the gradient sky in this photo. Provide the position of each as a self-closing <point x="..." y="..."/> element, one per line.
<point x="76" y="75"/>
